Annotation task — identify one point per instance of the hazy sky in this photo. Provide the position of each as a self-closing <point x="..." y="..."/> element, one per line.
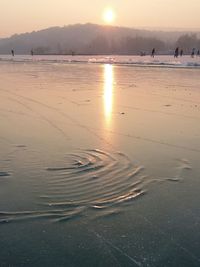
<point x="27" y="15"/>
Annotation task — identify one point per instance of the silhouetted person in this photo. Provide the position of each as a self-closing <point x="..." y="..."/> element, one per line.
<point x="181" y="52"/>
<point x="31" y="52"/>
<point x="193" y="51"/>
<point x="153" y="52"/>
<point x="12" y="52"/>
<point x="176" y="52"/>
<point x="198" y="53"/>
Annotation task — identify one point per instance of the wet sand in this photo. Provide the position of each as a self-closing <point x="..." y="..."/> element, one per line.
<point x="99" y="165"/>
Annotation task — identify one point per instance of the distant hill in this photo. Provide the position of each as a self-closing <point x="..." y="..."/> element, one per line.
<point x="90" y="39"/>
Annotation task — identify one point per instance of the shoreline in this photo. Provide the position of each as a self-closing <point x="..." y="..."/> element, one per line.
<point x="185" y="62"/>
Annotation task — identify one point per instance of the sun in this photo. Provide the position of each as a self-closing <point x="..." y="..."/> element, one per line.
<point x="108" y="15"/>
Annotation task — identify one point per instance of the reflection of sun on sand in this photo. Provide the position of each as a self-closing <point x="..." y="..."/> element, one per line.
<point x="108" y="92"/>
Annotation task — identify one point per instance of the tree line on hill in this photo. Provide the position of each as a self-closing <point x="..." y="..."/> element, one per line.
<point x="90" y="39"/>
<point x="127" y="46"/>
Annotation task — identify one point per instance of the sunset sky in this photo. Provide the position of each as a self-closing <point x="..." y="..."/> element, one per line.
<point x="19" y="16"/>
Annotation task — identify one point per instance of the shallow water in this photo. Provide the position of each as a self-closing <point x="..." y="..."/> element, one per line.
<point x="99" y="165"/>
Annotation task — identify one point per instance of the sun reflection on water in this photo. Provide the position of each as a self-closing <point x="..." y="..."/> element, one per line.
<point x="108" y="92"/>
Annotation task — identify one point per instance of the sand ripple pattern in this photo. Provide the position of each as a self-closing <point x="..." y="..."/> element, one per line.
<point x="91" y="183"/>
<point x="94" y="179"/>
<point x="4" y="174"/>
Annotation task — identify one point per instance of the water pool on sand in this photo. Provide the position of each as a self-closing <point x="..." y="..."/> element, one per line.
<point x="99" y="165"/>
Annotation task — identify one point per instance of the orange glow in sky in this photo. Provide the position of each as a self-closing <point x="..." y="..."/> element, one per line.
<point x="18" y="16"/>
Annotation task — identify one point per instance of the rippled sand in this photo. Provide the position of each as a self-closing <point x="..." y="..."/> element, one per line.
<point x="99" y="165"/>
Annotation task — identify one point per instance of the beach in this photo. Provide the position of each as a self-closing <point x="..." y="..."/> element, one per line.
<point x="99" y="162"/>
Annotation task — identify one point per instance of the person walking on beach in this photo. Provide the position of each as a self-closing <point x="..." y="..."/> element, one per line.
<point x="12" y="52"/>
<point x="31" y="52"/>
<point x="153" y="52"/>
<point x="198" y="53"/>
<point x="193" y="51"/>
<point x="176" y="52"/>
<point x="181" y="52"/>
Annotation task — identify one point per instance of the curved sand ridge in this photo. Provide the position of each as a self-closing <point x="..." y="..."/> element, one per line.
<point x="95" y="179"/>
<point x="4" y="174"/>
<point x="91" y="183"/>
